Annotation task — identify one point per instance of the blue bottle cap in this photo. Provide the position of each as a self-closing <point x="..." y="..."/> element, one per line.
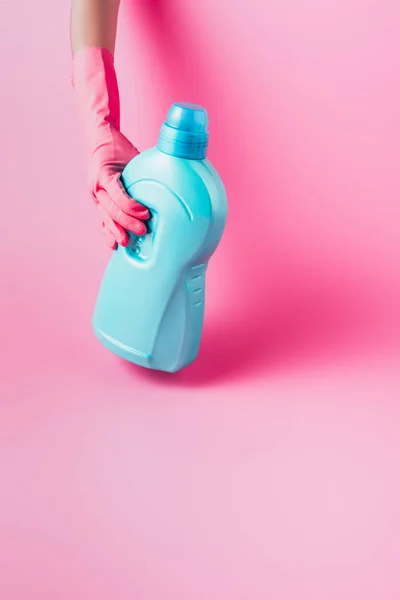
<point x="185" y="131"/>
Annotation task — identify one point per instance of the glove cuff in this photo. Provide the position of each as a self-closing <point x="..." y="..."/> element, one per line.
<point x="96" y="91"/>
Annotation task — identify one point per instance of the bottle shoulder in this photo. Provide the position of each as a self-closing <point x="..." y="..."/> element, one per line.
<point x="195" y="183"/>
<point x="161" y="167"/>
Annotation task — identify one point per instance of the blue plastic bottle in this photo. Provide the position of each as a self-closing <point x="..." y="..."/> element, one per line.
<point x="150" y="306"/>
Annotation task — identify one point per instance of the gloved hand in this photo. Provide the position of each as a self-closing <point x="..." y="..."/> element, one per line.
<point x="96" y="90"/>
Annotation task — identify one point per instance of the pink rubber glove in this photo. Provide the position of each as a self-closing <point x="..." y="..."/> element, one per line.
<point x="96" y="90"/>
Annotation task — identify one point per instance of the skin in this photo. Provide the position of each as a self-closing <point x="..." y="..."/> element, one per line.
<point x="94" y="23"/>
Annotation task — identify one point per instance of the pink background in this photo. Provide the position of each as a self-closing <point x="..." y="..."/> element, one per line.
<point x="271" y="468"/>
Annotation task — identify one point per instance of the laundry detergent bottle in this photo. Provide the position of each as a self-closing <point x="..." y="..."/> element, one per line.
<point x="150" y="306"/>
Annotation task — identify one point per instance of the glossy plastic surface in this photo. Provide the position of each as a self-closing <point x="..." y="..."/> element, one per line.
<point x="185" y="131"/>
<point x="150" y="306"/>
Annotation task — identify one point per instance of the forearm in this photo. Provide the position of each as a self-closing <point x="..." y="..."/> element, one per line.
<point x="94" y="23"/>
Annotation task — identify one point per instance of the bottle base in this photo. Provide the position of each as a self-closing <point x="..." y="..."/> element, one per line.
<point x="132" y="355"/>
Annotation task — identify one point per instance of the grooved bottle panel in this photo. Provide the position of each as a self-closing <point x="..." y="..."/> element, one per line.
<point x="195" y="285"/>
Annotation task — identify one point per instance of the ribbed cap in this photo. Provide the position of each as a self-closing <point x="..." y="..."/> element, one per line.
<point x="185" y="131"/>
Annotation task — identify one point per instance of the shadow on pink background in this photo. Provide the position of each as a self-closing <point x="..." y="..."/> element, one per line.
<point x="269" y="468"/>
<point x="296" y="281"/>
